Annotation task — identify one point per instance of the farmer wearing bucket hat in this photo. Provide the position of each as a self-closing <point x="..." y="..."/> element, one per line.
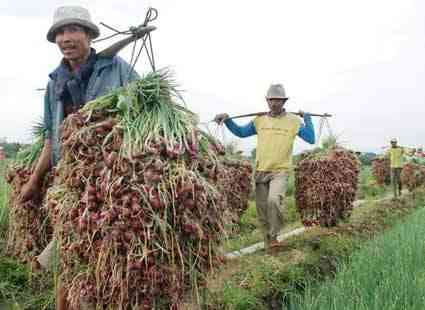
<point x="276" y="132"/>
<point x="81" y="76"/>
<point x="395" y="153"/>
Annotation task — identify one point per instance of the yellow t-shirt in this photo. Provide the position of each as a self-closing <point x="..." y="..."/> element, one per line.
<point x="275" y="141"/>
<point x="396" y="157"/>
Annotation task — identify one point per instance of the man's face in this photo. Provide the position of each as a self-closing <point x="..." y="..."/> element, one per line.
<point x="276" y="105"/>
<point x="393" y="144"/>
<point x="74" y="42"/>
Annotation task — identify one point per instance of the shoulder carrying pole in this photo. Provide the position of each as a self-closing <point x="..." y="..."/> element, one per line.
<point x="138" y="33"/>
<point x="135" y="33"/>
<point x="264" y="113"/>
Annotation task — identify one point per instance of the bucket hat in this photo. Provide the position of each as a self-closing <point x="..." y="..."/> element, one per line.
<point x="67" y="15"/>
<point x="276" y="91"/>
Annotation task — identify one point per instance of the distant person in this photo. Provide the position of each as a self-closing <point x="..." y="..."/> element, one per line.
<point x="81" y="76"/>
<point x="395" y="154"/>
<point x="276" y="132"/>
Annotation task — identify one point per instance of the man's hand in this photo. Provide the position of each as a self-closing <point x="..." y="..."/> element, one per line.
<point x="32" y="188"/>
<point x="220" y="118"/>
<point x="29" y="191"/>
<point x="301" y="113"/>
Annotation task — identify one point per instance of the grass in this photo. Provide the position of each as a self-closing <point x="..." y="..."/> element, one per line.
<point x="249" y="228"/>
<point x="387" y="273"/>
<point x="254" y="282"/>
<point x="367" y="188"/>
<point x="249" y="231"/>
<point x="19" y="288"/>
<point x="4" y="194"/>
<point x="262" y="281"/>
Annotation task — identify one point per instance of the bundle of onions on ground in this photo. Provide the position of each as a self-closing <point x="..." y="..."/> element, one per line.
<point x="381" y="170"/>
<point x="325" y="186"/>
<point x="136" y="205"/>
<point x="236" y="182"/>
<point x="412" y="176"/>
<point x="29" y="229"/>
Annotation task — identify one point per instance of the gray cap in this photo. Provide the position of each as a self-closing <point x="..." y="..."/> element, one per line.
<point x="66" y="15"/>
<point x="276" y="91"/>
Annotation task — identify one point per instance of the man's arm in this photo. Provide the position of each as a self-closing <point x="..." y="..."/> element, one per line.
<point x="241" y="131"/>
<point x="306" y="131"/>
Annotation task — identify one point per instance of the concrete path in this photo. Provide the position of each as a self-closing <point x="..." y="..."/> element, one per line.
<point x="260" y="245"/>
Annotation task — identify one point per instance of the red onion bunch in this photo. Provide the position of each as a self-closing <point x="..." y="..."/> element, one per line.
<point x="325" y="187"/>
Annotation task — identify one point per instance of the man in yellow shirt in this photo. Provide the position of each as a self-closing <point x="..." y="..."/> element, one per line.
<point x="276" y="132"/>
<point x="395" y="154"/>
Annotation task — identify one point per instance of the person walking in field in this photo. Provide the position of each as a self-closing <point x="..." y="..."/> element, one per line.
<point x="276" y="132"/>
<point x="81" y="76"/>
<point x="395" y="153"/>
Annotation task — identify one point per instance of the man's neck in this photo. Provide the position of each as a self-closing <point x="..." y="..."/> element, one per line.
<point x="276" y="114"/>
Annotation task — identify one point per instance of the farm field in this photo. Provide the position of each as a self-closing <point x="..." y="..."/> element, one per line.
<point x="262" y="281"/>
<point x="257" y="281"/>
<point x="386" y="273"/>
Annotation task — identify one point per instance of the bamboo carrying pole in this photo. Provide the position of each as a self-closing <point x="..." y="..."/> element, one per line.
<point x="264" y="113"/>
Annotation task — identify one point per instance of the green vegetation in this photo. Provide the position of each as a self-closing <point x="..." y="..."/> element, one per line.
<point x="257" y="281"/>
<point x="387" y="273"/>
<point x="20" y="289"/>
<point x="10" y="148"/>
<point x="4" y="192"/>
<point x="249" y="232"/>
<point x="261" y="281"/>
<point x="366" y="158"/>
<point x="368" y="188"/>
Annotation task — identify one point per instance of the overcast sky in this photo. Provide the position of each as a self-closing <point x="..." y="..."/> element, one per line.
<point x="362" y="60"/>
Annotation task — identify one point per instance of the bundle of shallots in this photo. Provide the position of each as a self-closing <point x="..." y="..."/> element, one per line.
<point x="381" y="170"/>
<point x="412" y="176"/>
<point x="137" y="202"/>
<point x="29" y="229"/>
<point x="235" y="180"/>
<point x="325" y="187"/>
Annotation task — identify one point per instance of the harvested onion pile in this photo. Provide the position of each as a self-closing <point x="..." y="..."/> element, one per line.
<point x="381" y="170"/>
<point x="235" y="180"/>
<point x="412" y="176"/>
<point x="137" y="203"/>
<point x="29" y="230"/>
<point x="325" y="187"/>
